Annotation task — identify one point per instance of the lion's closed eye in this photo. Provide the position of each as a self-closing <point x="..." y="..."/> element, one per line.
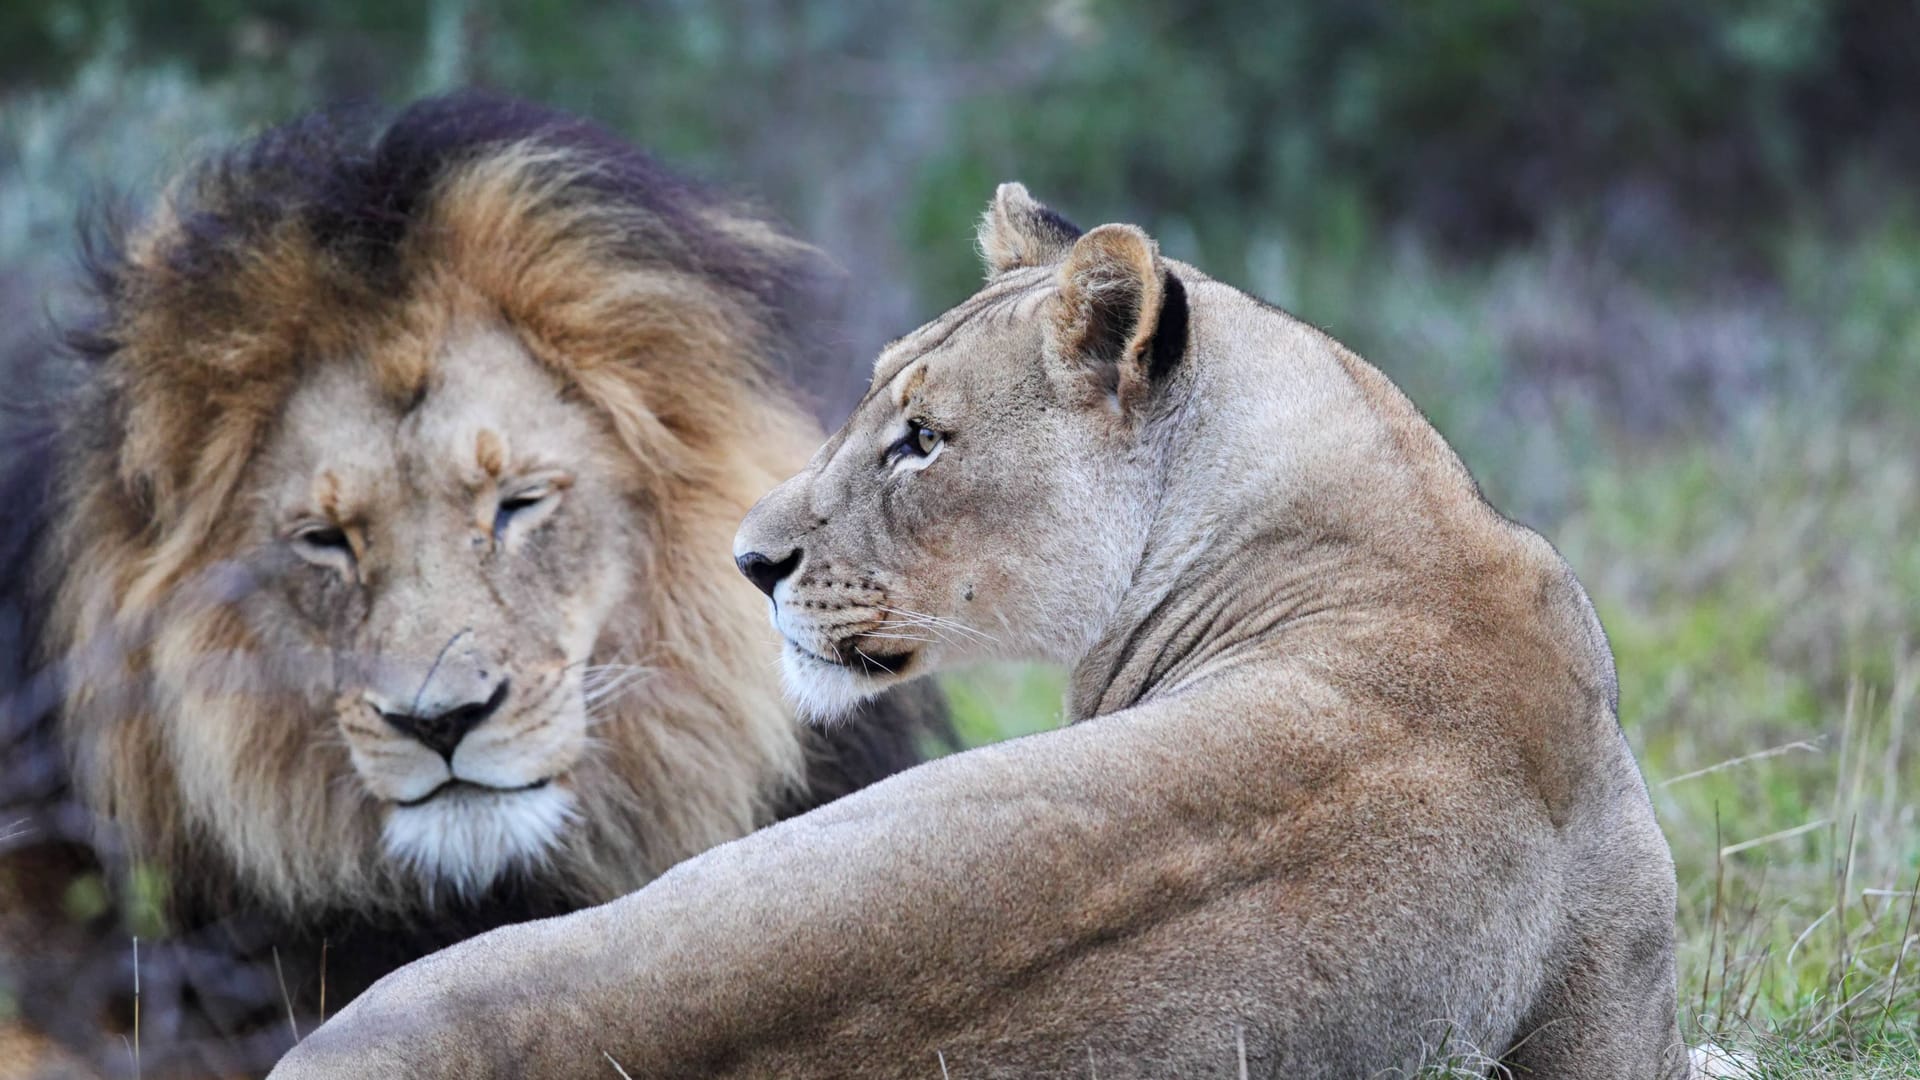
<point x="526" y="506"/>
<point x="323" y="544"/>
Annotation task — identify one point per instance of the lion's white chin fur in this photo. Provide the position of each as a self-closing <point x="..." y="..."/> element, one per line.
<point x="823" y="693"/>
<point x="467" y="839"/>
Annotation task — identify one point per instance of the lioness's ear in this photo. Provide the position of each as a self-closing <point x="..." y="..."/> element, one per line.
<point x="1120" y="312"/>
<point x="1017" y="231"/>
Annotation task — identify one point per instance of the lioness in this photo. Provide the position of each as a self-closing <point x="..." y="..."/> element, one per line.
<point x="1346" y="782"/>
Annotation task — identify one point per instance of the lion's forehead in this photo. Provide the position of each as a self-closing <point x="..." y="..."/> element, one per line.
<point x="491" y="408"/>
<point x="486" y="411"/>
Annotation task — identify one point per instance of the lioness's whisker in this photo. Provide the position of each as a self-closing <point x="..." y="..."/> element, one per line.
<point x="941" y="620"/>
<point x="920" y="619"/>
<point x="941" y="633"/>
<point x="938" y="620"/>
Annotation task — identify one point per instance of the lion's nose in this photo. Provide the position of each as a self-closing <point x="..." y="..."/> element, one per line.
<point x="441" y="726"/>
<point x="766" y="572"/>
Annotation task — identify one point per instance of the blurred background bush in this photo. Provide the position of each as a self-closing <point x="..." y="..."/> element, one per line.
<point x="1654" y="269"/>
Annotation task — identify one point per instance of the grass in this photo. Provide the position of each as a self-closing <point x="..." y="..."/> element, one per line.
<point x="1762" y="598"/>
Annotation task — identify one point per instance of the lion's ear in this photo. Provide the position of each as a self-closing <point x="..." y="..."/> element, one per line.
<point x="1016" y="231"/>
<point x="1120" y="312"/>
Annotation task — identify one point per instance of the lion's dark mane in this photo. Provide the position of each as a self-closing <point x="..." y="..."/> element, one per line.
<point x="359" y="187"/>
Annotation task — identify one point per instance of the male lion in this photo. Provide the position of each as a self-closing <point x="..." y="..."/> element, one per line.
<point x="1346" y="781"/>
<point x="381" y="568"/>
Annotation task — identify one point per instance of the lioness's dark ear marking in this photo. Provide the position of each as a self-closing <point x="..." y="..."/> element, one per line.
<point x="1169" y="342"/>
<point x="1109" y="286"/>
<point x="1016" y="231"/>
<point x="1109" y="312"/>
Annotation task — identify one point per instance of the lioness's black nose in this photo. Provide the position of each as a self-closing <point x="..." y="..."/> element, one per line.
<point x="764" y="572"/>
<point x="441" y="731"/>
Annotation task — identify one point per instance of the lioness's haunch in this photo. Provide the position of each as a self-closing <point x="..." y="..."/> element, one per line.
<point x="1346" y="782"/>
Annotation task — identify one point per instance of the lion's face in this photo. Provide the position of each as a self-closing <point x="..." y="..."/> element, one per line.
<point x="990" y="494"/>
<point x="448" y="562"/>
<point x="390" y="561"/>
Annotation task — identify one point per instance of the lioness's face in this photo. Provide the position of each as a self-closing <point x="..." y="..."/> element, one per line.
<point x="984" y="501"/>
<point x="434" y="554"/>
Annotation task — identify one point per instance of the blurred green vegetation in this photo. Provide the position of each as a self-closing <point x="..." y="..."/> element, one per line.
<point x="1653" y="268"/>
<point x="1478" y="117"/>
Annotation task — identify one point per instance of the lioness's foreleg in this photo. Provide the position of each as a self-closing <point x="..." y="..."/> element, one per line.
<point x="1115" y="890"/>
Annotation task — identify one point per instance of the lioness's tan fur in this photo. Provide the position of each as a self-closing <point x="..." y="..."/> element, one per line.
<point x="1346" y="781"/>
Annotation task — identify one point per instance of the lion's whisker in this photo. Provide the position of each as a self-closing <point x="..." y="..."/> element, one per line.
<point x="602" y="680"/>
<point x="612" y="693"/>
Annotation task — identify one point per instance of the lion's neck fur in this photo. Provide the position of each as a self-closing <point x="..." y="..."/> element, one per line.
<point x="1288" y="486"/>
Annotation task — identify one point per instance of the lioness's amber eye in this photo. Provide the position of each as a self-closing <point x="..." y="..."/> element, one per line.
<point x="919" y="441"/>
